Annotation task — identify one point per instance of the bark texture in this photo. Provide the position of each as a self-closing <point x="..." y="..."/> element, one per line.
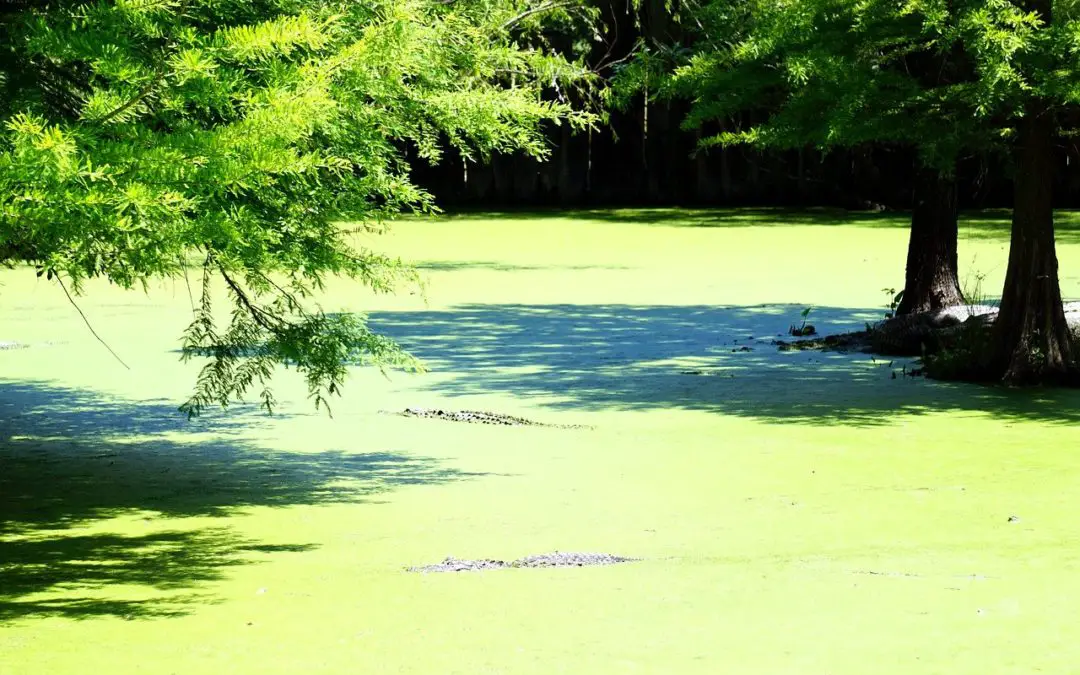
<point x="931" y="280"/>
<point x="1031" y="342"/>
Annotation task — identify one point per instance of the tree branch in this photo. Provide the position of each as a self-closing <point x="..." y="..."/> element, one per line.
<point x="143" y="93"/>
<point x="259" y="315"/>
<point x="290" y="298"/>
<point x="547" y="6"/>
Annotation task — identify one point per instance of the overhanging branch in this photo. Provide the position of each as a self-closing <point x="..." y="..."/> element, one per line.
<point x="545" y="7"/>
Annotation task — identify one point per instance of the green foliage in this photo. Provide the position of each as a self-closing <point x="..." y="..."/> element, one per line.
<point x="945" y="76"/>
<point x="803" y="329"/>
<point x="140" y="134"/>
<point x="973" y="287"/>
<point x="894" y="299"/>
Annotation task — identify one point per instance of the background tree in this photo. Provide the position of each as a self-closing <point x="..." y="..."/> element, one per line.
<point x="835" y="74"/>
<point x="140" y="136"/>
<point x="942" y="75"/>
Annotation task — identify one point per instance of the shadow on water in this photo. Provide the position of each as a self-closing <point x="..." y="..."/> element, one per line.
<point x="991" y="224"/>
<point x="71" y="576"/>
<point x="716" y="359"/>
<point x="71" y="461"/>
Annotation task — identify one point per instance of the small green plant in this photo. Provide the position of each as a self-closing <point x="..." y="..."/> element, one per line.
<point x="894" y="300"/>
<point x="803" y="329"/>
<point x="973" y="290"/>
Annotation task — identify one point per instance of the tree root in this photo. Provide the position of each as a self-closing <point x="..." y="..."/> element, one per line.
<point x="954" y="343"/>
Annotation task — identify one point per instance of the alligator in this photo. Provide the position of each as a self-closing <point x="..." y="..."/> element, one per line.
<point x="556" y="559"/>
<point x="481" y="417"/>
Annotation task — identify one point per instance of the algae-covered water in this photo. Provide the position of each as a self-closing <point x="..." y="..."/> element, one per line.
<point x="793" y="512"/>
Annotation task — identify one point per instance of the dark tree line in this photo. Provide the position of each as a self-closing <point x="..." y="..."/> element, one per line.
<point x="611" y="169"/>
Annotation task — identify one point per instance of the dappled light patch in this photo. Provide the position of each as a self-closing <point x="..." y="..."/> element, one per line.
<point x="635" y="357"/>
<point x="73" y="575"/>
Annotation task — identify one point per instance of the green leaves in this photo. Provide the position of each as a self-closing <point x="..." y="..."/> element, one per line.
<point x="281" y="330"/>
<point x="940" y="75"/>
<point x="273" y="39"/>
<point x="243" y="133"/>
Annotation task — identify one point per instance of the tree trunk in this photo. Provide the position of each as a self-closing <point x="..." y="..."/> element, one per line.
<point x="564" y="179"/>
<point x="931" y="280"/>
<point x="801" y="173"/>
<point x="704" y="191"/>
<point x="725" y="169"/>
<point x="1031" y="342"/>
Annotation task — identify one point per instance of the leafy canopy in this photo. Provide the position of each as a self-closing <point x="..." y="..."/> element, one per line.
<point x="141" y="138"/>
<point x="941" y="75"/>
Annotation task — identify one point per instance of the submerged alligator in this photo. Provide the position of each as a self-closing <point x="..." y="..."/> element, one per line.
<point x="556" y="559"/>
<point x="481" y="417"/>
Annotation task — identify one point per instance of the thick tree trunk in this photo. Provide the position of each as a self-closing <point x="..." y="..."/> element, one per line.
<point x="931" y="280"/>
<point x="1031" y="342"/>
